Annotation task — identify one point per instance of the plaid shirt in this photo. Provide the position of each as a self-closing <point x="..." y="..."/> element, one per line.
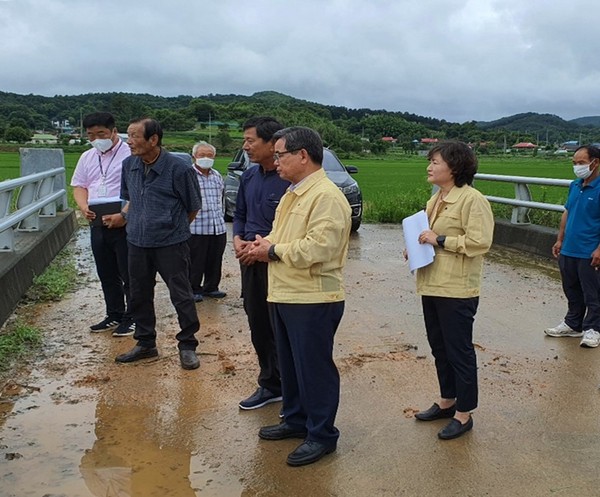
<point x="209" y="220"/>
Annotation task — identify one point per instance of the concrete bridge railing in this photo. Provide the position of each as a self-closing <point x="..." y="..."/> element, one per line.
<point x="35" y="223"/>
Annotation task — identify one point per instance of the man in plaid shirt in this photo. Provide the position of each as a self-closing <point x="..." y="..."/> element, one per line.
<point x="209" y="237"/>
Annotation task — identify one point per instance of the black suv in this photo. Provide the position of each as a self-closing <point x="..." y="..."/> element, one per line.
<point x="335" y="170"/>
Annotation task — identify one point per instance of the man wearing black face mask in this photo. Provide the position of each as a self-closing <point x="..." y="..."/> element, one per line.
<point x="97" y="181"/>
<point x="578" y="251"/>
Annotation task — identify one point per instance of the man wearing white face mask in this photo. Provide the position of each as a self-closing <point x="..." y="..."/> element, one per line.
<point x="209" y="237"/>
<point x="578" y="251"/>
<point x="97" y="180"/>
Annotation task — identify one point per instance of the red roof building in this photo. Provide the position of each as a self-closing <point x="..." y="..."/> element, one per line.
<point x="524" y="145"/>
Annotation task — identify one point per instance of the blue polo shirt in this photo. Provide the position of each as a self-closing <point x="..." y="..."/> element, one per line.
<point x="160" y="201"/>
<point x="257" y="199"/>
<point x="582" y="231"/>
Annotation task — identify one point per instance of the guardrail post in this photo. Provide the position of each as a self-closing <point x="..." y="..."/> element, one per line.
<point x="520" y="215"/>
<point x="27" y="196"/>
<point x="7" y="237"/>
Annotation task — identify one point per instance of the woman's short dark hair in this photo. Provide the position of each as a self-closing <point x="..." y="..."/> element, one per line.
<point x="460" y="159"/>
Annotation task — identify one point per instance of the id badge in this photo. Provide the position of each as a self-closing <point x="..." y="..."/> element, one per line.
<point x="102" y="190"/>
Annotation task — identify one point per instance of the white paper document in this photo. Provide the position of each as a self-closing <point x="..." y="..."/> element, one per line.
<point x="419" y="255"/>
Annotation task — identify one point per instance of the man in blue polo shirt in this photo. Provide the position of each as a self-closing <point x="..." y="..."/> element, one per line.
<point x="578" y="251"/>
<point x="260" y="190"/>
<point x="164" y="197"/>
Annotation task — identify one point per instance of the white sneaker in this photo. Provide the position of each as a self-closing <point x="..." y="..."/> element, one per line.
<point x="591" y="339"/>
<point x="562" y="330"/>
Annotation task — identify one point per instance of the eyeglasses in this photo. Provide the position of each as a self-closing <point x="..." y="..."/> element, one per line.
<point x="277" y="155"/>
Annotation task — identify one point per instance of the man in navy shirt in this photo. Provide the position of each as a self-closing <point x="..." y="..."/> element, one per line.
<point x="578" y="250"/>
<point x="258" y="197"/>
<point x="164" y="198"/>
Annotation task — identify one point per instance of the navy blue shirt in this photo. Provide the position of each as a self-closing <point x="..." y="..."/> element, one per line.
<point x="160" y="201"/>
<point x="257" y="199"/>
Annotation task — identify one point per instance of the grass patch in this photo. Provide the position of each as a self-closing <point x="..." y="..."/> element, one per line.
<point x="59" y="278"/>
<point x="16" y="341"/>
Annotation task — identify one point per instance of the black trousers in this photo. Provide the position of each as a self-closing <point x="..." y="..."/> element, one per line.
<point x="254" y="293"/>
<point x="449" y="325"/>
<point x="581" y="284"/>
<point x="173" y="265"/>
<point x="309" y="377"/>
<point x="206" y="254"/>
<point x="109" y="247"/>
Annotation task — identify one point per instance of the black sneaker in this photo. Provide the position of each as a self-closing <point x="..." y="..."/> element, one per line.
<point x="107" y="324"/>
<point x="126" y="328"/>
<point x="260" y="398"/>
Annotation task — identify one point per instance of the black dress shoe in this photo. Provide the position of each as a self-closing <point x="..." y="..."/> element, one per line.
<point x="281" y="431"/>
<point x="137" y="353"/>
<point x="189" y="359"/>
<point x="455" y="429"/>
<point x="436" y="412"/>
<point x="308" y="452"/>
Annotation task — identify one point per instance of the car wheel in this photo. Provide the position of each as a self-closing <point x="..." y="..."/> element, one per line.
<point x="355" y="223"/>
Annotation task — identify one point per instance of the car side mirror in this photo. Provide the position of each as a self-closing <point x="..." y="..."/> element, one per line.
<point x="351" y="169"/>
<point x="235" y="166"/>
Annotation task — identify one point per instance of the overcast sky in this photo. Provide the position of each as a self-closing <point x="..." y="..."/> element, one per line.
<point x="458" y="60"/>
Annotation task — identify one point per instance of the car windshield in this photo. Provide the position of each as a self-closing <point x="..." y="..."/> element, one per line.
<point x="331" y="162"/>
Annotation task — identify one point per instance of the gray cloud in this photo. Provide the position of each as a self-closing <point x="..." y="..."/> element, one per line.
<point x="452" y="59"/>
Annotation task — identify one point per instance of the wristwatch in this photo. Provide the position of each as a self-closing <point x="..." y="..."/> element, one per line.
<point x="441" y="240"/>
<point x="123" y="215"/>
<point x="272" y="255"/>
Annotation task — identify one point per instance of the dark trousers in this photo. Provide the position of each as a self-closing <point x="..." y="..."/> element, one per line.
<point x="254" y="292"/>
<point x="449" y="325"/>
<point x="109" y="247"/>
<point x="309" y="377"/>
<point x="173" y="265"/>
<point x="581" y="284"/>
<point x="206" y="254"/>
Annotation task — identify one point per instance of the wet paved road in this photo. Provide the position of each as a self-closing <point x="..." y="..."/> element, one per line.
<point x="77" y="424"/>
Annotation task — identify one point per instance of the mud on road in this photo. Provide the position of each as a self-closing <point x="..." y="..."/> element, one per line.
<point x="74" y="423"/>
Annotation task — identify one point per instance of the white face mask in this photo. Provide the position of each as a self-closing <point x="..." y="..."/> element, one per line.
<point x="205" y="162"/>
<point x="582" y="171"/>
<point x="102" y="144"/>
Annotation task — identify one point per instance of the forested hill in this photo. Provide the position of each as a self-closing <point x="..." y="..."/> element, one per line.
<point x="341" y="127"/>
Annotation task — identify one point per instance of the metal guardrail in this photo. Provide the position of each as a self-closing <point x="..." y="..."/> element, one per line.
<point x="523" y="201"/>
<point x="36" y="197"/>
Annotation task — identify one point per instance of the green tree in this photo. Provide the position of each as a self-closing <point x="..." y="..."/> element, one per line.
<point x="223" y="139"/>
<point x="17" y="134"/>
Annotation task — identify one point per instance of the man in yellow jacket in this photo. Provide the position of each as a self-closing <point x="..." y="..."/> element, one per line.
<point x="306" y="251"/>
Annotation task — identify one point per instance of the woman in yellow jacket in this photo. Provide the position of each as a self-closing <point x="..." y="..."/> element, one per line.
<point x="461" y="230"/>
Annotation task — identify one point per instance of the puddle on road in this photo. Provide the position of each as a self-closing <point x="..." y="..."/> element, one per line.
<point x="80" y="425"/>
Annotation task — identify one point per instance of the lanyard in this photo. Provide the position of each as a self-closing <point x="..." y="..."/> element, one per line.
<point x="102" y="173"/>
